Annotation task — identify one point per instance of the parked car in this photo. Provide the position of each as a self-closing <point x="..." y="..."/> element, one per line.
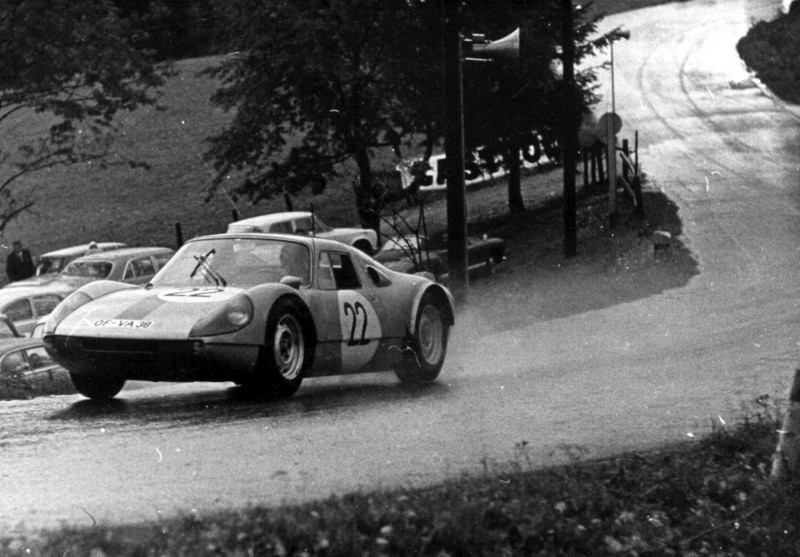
<point x="262" y="310"/>
<point x="26" y="361"/>
<point x="7" y="328"/>
<point x="411" y="254"/>
<point x="23" y="307"/>
<point x="53" y="262"/>
<point x="130" y="265"/>
<point x="306" y="223"/>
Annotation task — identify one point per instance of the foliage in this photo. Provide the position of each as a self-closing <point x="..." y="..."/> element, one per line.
<point x="317" y="84"/>
<point x="772" y="50"/>
<point x="709" y="497"/>
<point x="327" y="73"/>
<point x="74" y="65"/>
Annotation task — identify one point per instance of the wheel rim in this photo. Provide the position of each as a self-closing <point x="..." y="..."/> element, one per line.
<point x="289" y="347"/>
<point x="431" y="335"/>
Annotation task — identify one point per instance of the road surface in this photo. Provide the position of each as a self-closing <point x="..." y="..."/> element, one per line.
<point x="634" y="376"/>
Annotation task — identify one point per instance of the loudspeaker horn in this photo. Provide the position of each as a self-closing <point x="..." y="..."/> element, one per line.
<point x="506" y="48"/>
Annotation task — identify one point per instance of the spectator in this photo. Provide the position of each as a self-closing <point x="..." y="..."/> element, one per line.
<point x="19" y="263"/>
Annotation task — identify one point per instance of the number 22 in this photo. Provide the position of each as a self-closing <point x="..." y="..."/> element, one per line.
<point x="355" y="310"/>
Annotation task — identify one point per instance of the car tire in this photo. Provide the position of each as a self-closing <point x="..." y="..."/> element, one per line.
<point x="98" y="386"/>
<point x="285" y="356"/>
<point x="426" y="348"/>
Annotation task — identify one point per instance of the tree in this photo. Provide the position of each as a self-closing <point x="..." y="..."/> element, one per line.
<point x="317" y="84"/>
<point x="69" y="66"/>
<point x="507" y="102"/>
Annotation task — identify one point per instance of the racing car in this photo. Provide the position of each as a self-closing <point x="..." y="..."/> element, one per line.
<point x="262" y="310"/>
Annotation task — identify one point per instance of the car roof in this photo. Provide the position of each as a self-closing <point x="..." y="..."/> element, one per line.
<point x="7" y="344"/>
<point x="310" y="241"/>
<point x="272" y="218"/>
<point x="78" y="250"/>
<point x="124" y="253"/>
<point x="8" y="294"/>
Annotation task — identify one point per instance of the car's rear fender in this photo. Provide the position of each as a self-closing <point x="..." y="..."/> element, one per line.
<point x="440" y="293"/>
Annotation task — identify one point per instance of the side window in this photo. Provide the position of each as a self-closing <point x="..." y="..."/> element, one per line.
<point x="344" y="273"/>
<point x="325" y="272"/>
<point x="38" y="357"/>
<point x="281" y="227"/>
<point x="139" y="268"/>
<point x="12" y="363"/>
<point x="145" y="267"/>
<point x="303" y="226"/>
<point x="161" y="259"/>
<point x="19" y="310"/>
<point x="43" y="305"/>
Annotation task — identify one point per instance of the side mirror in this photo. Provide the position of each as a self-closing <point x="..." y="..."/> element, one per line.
<point x="292" y="281"/>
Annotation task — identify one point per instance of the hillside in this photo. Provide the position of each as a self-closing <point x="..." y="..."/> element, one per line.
<point x="79" y="204"/>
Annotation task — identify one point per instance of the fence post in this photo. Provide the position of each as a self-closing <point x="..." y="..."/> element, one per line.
<point x="178" y="234"/>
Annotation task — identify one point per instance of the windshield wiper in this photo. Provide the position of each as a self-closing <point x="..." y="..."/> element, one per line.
<point x="202" y="261"/>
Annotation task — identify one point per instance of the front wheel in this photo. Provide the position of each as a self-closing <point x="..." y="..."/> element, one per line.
<point x="98" y="386"/>
<point x="426" y="348"/>
<point x="284" y="356"/>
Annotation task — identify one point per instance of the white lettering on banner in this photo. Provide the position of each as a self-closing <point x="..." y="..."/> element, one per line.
<point x="479" y="165"/>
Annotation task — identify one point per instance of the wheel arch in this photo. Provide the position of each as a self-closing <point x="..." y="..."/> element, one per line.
<point x="306" y="320"/>
<point x="441" y="295"/>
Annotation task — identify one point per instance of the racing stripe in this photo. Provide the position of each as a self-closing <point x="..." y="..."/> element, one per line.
<point x="142" y="309"/>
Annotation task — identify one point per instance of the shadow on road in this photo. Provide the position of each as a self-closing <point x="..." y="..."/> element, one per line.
<point x="176" y="407"/>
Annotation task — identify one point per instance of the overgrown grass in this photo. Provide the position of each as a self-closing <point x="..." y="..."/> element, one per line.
<point x="709" y="497"/>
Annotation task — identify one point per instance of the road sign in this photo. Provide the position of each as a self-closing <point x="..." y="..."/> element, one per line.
<point x="602" y="124"/>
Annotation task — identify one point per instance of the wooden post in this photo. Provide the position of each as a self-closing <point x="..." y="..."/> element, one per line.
<point x="178" y="234"/>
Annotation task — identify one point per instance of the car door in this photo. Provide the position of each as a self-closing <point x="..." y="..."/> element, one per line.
<point x="349" y="315"/>
<point x="41" y="369"/>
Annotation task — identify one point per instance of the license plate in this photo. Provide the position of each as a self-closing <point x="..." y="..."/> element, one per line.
<point x="122" y="323"/>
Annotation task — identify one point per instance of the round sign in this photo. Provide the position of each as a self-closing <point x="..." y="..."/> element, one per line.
<point x="613" y="117"/>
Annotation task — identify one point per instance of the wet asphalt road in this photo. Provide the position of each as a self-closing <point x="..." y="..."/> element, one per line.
<point x="633" y="376"/>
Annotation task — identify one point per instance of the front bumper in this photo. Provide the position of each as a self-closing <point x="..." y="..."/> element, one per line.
<point x="155" y="360"/>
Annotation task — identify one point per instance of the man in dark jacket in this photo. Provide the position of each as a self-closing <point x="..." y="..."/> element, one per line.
<point x="19" y="263"/>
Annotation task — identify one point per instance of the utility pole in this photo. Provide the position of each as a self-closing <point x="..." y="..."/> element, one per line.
<point x="570" y="131"/>
<point x="454" y="151"/>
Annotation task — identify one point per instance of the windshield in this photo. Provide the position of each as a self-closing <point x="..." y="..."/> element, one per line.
<point x="236" y="262"/>
<point x="50" y="265"/>
<point x="88" y="269"/>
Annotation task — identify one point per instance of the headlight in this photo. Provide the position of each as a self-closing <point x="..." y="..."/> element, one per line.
<point x="234" y="315"/>
<point x="67" y="306"/>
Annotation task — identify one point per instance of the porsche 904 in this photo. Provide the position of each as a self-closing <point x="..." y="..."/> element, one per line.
<point x="265" y="311"/>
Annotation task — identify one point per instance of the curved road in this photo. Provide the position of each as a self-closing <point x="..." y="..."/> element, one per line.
<point x="633" y="376"/>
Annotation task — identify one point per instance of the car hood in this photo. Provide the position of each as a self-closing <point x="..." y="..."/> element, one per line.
<point x="38" y="280"/>
<point x="343" y="233"/>
<point x="157" y="312"/>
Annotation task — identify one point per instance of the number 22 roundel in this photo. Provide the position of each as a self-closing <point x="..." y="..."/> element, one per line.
<point x="361" y="329"/>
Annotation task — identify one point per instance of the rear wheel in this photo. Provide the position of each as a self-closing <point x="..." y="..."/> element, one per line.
<point x="427" y="346"/>
<point x="98" y="386"/>
<point x="284" y="356"/>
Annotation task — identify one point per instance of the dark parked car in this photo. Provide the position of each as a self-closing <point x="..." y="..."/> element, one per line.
<point x="411" y="254"/>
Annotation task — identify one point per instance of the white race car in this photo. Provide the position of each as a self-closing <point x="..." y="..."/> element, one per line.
<point x="261" y="310"/>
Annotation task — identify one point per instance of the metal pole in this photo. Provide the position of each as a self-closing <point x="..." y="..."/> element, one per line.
<point x="611" y="148"/>
<point x="454" y="152"/>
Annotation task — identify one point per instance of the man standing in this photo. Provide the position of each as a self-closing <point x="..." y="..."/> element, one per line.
<point x="19" y="263"/>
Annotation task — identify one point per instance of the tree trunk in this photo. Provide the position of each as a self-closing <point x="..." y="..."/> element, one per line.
<point x="368" y="198"/>
<point x="516" y="205"/>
